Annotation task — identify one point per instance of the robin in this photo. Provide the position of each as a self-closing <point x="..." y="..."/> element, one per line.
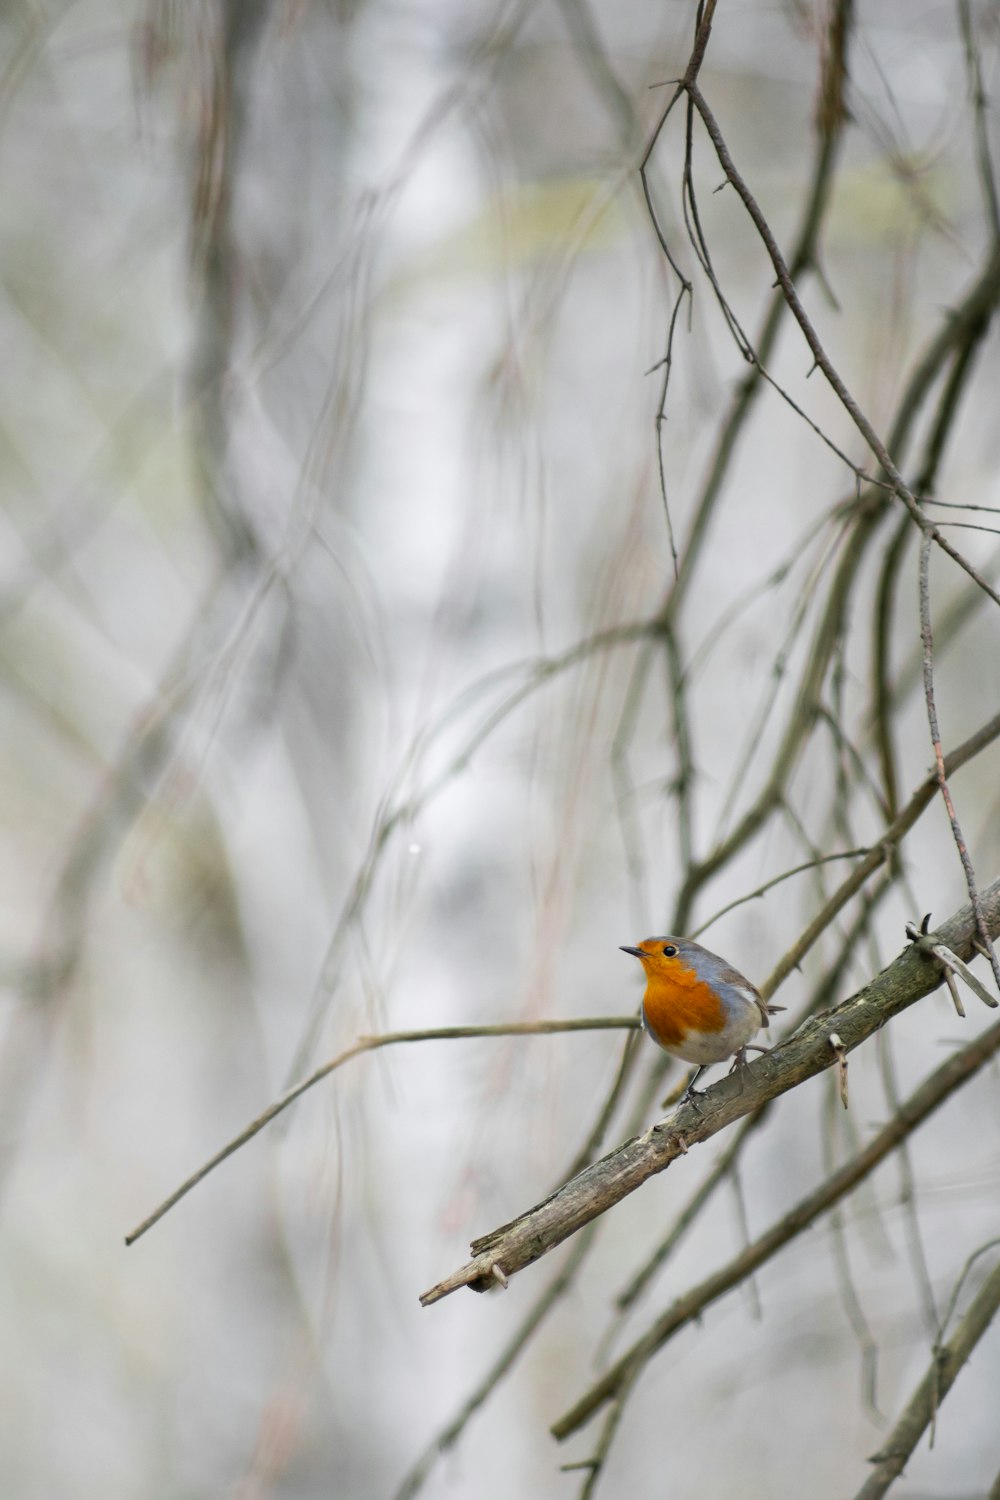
<point x="697" y="1006"/>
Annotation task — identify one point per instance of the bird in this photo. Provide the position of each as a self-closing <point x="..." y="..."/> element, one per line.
<point x="697" y="1006"/>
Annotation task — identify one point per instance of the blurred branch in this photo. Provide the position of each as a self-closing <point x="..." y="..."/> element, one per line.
<point x="718" y="1173"/>
<point x="398" y="810"/>
<point x="217" y="271"/>
<point x="946" y="1362"/>
<point x="586" y="41"/>
<point x="800" y="722"/>
<point x="980" y="106"/>
<point x="123" y="791"/>
<point x="974" y="328"/>
<point x="518" y="1244"/>
<point x="416" y="1477"/>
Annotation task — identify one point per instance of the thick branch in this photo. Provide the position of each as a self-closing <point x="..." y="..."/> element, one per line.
<point x="513" y="1246"/>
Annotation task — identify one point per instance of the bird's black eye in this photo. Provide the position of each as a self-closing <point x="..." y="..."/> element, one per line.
<point x="670" y="951"/>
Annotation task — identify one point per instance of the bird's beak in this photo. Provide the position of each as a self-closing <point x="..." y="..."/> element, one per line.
<point x="635" y="952"/>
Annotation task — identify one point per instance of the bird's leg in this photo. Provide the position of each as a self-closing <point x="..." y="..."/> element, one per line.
<point x="677" y="1096"/>
<point x="691" y="1092"/>
<point x="672" y="1102"/>
<point x="740" y="1062"/>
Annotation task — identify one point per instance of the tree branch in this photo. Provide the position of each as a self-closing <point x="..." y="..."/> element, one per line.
<point x="823" y="361"/>
<point x="944" y="1081"/>
<point x="518" y="1244"/>
<point x="927" y="639"/>
<point x="945" y="1364"/>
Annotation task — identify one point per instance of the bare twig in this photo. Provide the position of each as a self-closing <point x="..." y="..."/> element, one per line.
<point x="373" y="1044"/>
<point x="927" y="639"/>
<point x="879" y="855"/>
<point x="970" y="327"/>
<point x="803" y="258"/>
<point x="762" y="890"/>
<point x="820" y="355"/>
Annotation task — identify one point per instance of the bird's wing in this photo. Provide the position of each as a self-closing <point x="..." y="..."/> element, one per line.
<point x="734" y="978"/>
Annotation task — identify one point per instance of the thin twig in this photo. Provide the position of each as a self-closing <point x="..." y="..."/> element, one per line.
<point x="762" y="890"/>
<point x="372" y="1044"/>
<point x="819" y="353"/>
<point x="882" y="852"/>
<point x="803" y="258"/>
<point x="927" y="640"/>
<point x="971" y="326"/>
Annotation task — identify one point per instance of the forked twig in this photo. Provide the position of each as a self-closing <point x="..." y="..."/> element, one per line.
<point x="930" y="943"/>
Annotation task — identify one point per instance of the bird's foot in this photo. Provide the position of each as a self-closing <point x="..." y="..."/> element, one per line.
<point x="679" y="1096"/>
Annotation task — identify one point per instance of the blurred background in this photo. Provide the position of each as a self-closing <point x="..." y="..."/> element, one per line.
<point x="331" y="462"/>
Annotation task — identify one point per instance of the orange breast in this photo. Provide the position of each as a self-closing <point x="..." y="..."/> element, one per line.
<point x="678" y="1004"/>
